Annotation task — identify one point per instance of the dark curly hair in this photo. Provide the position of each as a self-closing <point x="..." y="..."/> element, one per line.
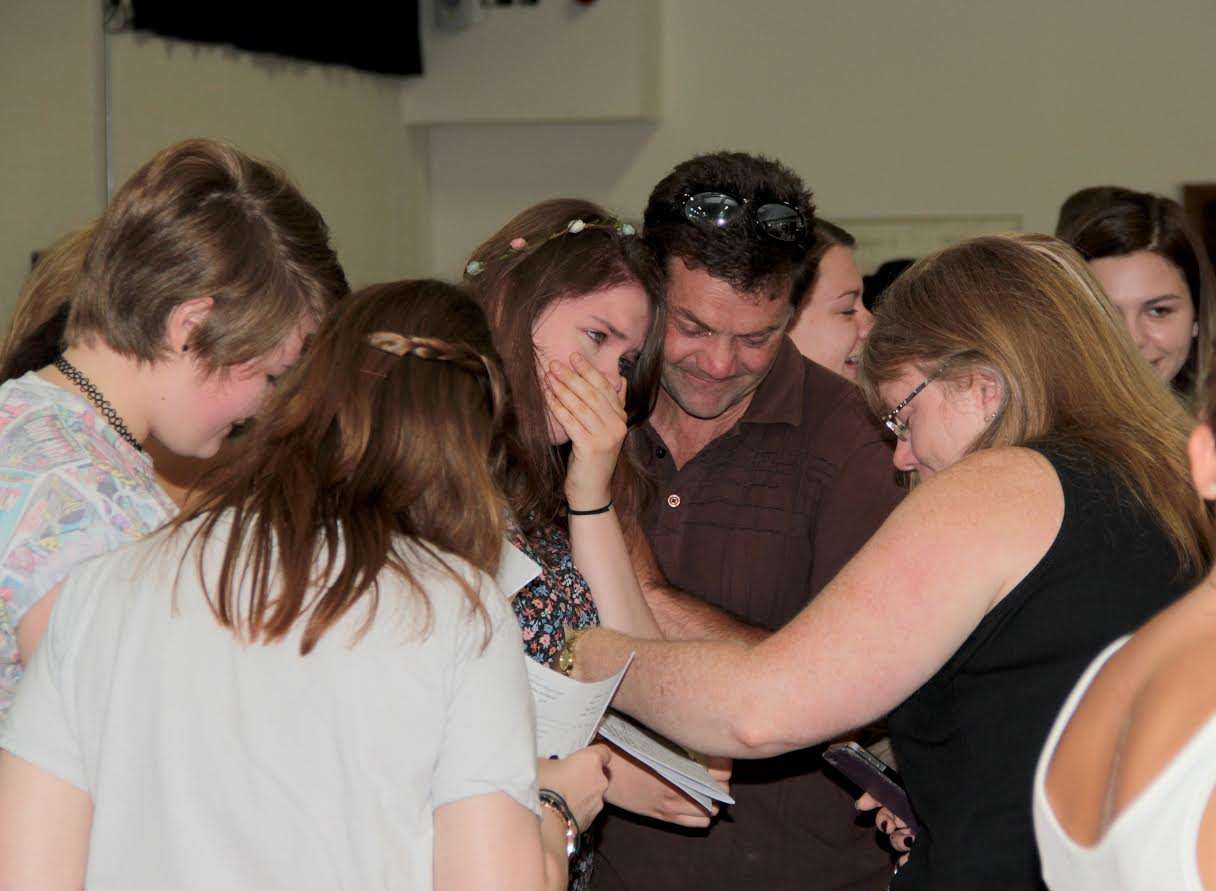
<point x="742" y="255"/>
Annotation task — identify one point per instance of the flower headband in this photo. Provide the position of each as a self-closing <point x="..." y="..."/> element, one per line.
<point x="519" y="246"/>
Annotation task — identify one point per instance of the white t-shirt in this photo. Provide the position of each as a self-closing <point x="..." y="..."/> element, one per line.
<point x="216" y="765"/>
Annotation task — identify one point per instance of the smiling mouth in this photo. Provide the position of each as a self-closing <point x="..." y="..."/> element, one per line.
<point x="708" y="381"/>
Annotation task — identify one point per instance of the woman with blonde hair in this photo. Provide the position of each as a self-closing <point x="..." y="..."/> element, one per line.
<point x="1054" y="513"/>
<point x="310" y="679"/>
<point x="170" y="317"/>
<point x="35" y="334"/>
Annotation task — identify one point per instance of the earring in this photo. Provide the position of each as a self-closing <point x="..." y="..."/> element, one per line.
<point x="988" y="419"/>
<point x="1194" y="330"/>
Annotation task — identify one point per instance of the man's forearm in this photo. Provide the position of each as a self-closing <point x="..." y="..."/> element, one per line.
<point x="681" y="616"/>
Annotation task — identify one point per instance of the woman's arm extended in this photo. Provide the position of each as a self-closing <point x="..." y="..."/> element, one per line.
<point x="888" y="621"/>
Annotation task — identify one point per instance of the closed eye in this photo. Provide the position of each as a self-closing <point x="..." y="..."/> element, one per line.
<point x="757" y="341"/>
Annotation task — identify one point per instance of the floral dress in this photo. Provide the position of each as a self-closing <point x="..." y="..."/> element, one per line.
<point x="558" y="597"/>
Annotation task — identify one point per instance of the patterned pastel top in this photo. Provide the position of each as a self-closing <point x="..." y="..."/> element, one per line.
<point x="70" y="489"/>
<point x="558" y="597"/>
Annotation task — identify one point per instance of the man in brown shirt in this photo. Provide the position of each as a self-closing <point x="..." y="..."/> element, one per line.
<point x="771" y="475"/>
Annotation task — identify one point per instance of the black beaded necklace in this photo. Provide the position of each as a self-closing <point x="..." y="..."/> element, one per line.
<point x="76" y="376"/>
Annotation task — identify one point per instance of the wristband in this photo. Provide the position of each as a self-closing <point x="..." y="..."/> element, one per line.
<point x="588" y="513"/>
<point x="557" y="804"/>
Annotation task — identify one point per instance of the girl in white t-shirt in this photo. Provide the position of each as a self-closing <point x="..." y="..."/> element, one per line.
<point x="310" y="679"/>
<point x="169" y="317"/>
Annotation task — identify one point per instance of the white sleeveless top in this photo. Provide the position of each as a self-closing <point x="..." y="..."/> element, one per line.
<point x="1151" y="845"/>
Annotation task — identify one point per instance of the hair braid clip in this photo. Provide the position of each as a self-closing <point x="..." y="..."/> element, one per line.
<point x="438" y="350"/>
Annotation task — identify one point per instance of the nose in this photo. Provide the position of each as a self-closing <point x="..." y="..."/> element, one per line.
<point x="865" y="322"/>
<point x="1136" y="329"/>
<point x="612" y="371"/>
<point x="904" y="457"/>
<point x="607" y="363"/>
<point x="717" y="359"/>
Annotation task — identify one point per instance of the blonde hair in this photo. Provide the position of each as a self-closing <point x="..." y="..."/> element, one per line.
<point x="35" y="335"/>
<point x="1026" y="309"/>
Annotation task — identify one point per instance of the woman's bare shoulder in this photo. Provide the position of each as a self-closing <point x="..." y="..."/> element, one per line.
<point x="996" y="484"/>
<point x="1172" y="704"/>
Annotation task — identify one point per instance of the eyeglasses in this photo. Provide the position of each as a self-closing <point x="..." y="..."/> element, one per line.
<point x="891" y="418"/>
<point x="718" y="210"/>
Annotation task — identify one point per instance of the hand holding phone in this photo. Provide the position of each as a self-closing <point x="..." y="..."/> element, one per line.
<point x="872" y="775"/>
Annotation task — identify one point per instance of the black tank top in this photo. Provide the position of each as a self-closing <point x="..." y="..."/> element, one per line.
<point x="969" y="739"/>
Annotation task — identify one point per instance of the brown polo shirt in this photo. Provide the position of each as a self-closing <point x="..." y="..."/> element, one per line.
<point x="757" y="523"/>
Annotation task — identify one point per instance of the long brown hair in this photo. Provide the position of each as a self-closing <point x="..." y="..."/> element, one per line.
<point x="516" y="286"/>
<point x="384" y="437"/>
<point x="1027" y="309"/>
<point x="202" y="219"/>
<point x="1117" y="222"/>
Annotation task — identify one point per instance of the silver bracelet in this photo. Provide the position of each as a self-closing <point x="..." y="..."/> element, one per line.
<point x="557" y="804"/>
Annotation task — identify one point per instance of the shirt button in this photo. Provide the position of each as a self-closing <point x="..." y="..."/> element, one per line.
<point x="660" y="452"/>
<point x="673" y="500"/>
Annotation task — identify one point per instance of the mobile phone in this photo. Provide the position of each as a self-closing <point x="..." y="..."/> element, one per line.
<point x="870" y="774"/>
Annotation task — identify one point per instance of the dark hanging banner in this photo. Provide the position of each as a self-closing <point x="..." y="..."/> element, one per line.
<point x="371" y="35"/>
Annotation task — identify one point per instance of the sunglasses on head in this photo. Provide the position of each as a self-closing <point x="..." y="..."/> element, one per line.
<point x="717" y="210"/>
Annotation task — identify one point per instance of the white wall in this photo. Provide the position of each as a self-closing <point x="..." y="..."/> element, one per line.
<point x="886" y="108"/>
<point x="51" y="147"/>
<point x="338" y="133"/>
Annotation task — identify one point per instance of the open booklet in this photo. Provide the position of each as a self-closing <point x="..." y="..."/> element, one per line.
<point x="570" y="713"/>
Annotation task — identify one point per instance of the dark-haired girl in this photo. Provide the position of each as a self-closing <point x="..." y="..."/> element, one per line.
<point x="1142" y="251"/>
<point x="571" y="297"/>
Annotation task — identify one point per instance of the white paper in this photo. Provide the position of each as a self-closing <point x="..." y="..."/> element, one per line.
<point x="515" y="570"/>
<point x="664" y="757"/>
<point x="568" y="711"/>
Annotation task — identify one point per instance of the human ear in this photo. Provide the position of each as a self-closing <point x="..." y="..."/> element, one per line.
<point x="1201" y="449"/>
<point x="986" y="393"/>
<point x="184" y="320"/>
